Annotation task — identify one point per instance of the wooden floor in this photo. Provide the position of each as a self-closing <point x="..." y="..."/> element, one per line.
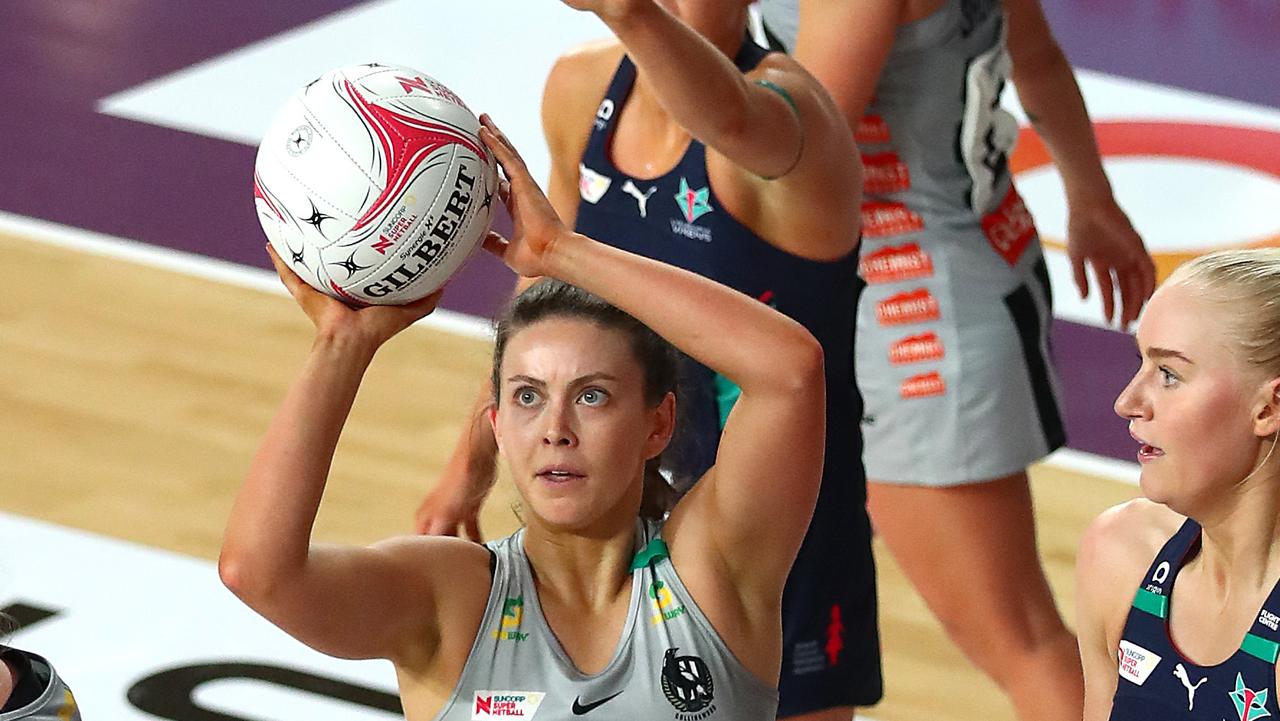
<point x="134" y="397"/>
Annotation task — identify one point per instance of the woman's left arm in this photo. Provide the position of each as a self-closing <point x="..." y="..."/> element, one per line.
<point x="749" y="122"/>
<point x="1098" y="231"/>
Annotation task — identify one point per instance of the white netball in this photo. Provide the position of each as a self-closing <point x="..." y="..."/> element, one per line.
<point x="373" y="185"/>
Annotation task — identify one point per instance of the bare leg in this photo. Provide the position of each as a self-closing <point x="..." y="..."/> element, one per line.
<point x="971" y="553"/>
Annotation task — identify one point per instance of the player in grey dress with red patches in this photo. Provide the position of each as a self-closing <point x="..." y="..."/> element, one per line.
<point x="952" y="357"/>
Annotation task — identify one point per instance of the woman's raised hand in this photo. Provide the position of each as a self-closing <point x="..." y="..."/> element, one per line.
<point x="536" y="225"/>
<point x="374" y="324"/>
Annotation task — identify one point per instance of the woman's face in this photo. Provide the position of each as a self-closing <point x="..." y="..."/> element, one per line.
<point x="573" y="424"/>
<point x="1193" y="403"/>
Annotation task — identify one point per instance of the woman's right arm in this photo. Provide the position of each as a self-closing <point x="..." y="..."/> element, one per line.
<point x="375" y="602"/>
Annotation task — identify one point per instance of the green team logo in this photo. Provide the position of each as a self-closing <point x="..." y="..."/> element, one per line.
<point x="693" y="203"/>
<point x="512" y="614"/>
<point x="1250" y="704"/>
<point x="664" y="603"/>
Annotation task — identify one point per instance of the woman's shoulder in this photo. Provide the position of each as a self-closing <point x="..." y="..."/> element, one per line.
<point x="575" y="86"/>
<point x="1119" y="545"/>
<point x="585" y="66"/>
<point x="1140" y="525"/>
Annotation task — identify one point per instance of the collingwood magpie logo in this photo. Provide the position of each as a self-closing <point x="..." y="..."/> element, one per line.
<point x="687" y="684"/>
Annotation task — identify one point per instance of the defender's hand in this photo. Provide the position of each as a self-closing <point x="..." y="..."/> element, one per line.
<point x="1102" y="237"/>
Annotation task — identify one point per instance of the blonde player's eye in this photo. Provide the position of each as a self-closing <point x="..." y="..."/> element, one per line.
<point x="526" y="396"/>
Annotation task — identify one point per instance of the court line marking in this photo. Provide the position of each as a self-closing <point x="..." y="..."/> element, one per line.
<point x="469" y="326"/>
<point x="199" y="266"/>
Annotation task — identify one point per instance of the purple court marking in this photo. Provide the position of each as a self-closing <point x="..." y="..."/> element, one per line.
<point x="1093" y="366"/>
<point x="66" y="163"/>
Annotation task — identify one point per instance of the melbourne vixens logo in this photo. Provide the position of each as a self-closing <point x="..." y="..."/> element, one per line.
<point x="693" y="204"/>
<point x="1250" y="704"/>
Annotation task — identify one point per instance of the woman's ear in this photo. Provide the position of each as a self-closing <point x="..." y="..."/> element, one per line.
<point x="664" y="425"/>
<point x="1266" y="421"/>
<point x="491" y="412"/>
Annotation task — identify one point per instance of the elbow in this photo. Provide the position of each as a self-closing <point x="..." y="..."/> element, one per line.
<point x="239" y="574"/>
<point x="808" y="362"/>
<point x="232" y="572"/>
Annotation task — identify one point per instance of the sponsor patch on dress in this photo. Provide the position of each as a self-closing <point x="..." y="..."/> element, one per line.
<point x="1136" y="662"/>
<point x="1009" y="228"/>
<point x="506" y="704"/>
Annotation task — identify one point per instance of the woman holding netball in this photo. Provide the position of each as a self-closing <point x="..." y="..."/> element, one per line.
<point x="592" y="607"/>
<point x="685" y="142"/>
<point x="1204" y="408"/>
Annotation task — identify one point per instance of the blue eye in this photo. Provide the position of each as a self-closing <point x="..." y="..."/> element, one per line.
<point x="1167" y="377"/>
<point x="593" y="397"/>
<point x="526" y="396"/>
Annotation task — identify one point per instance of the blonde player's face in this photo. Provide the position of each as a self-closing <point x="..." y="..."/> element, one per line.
<point x="1190" y="406"/>
<point x="573" y="424"/>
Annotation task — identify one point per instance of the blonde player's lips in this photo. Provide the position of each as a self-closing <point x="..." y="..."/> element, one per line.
<point x="559" y="473"/>
<point x="1147" y="452"/>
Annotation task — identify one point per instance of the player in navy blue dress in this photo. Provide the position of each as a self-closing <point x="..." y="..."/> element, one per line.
<point x="1178" y="599"/>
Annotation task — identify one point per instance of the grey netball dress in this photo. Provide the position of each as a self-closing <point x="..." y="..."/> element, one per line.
<point x="40" y="694"/>
<point x="952" y="345"/>
<point x="669" y="663"/>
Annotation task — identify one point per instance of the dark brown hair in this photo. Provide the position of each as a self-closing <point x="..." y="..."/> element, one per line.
<point x="550" y="298"/>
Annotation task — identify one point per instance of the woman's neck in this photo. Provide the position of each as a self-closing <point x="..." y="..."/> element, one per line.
<point x="587" y="569"/>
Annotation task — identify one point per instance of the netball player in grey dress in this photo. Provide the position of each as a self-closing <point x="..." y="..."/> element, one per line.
<point x="589" y="609"/>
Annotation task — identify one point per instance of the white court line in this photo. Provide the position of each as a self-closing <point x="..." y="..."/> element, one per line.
<point x="1069" y="459"/>
<point x="200" y="266"/>
<point x="465" y="325"/>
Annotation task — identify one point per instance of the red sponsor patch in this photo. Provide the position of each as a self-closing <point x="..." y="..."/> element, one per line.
<point x="871" y="129"/>
<point x="916" y="349"/>
<point x="916" y="306"/>
<point x="924" y="385"/>
<point x="884" y="173"/>
<point x="1009" y="228"/>
<point x="880" y="220"/>
<point x="894" y="263"/>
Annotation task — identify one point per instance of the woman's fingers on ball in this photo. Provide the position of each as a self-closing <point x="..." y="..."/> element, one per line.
<point x="495" y="243"/>
<point x="290" y="279"/>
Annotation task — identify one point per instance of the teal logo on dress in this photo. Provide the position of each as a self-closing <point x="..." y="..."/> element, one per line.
<point x="1250" y="704"/>
<point x="693" y="203"/>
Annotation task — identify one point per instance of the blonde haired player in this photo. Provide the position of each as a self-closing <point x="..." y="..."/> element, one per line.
<point x="1178" y="593"/>
<point x="591" y="608"/>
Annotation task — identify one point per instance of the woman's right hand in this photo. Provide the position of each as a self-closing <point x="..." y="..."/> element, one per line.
<point x="537" y="227"/>
<point x="374" y="324"/>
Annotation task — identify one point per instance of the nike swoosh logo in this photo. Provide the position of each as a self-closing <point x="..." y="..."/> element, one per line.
<point x="580" y="708"/>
